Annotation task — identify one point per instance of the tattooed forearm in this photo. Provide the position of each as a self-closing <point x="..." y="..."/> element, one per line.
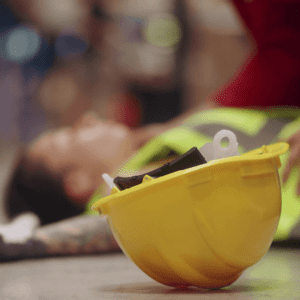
<point x="79" y="235"/>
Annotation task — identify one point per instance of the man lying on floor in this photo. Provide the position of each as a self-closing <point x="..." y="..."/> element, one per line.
<point x="90" y="233"/>
<point x="76" y="157"/>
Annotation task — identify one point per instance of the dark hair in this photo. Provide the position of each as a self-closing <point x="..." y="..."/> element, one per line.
<point x="34" y="188"/>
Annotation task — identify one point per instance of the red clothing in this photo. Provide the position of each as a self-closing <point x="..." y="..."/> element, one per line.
<point x="271" y="74"/>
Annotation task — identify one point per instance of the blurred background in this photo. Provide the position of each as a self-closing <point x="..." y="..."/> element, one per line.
<point x="134" y="61"/>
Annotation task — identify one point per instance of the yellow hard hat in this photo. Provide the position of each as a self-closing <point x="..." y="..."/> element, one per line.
<point x="202" y="226"/>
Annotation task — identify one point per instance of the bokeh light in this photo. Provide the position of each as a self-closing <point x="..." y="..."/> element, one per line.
<point x="163" y="30"/>
<point x="20" y="44"/>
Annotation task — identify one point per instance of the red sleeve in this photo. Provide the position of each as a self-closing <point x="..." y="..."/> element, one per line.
<point x="271" y="75"/>
<point x="270" y="78"/>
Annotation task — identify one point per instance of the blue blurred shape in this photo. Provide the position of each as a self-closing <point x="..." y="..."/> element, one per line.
<point x="22" y="44"/>
<point x="68" y="46"/>
<point x="19" y="44"/>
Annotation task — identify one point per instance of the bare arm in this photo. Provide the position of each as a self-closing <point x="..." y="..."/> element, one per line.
<point x="79" y="235"/>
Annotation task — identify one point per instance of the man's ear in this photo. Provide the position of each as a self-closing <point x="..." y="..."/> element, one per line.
<point x="79" y="186"/>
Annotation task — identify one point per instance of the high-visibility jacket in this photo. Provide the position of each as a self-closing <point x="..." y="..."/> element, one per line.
<point x="252" y="128"/>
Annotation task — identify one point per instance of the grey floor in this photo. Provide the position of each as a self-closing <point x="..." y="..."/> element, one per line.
<point x="113" y="276"/>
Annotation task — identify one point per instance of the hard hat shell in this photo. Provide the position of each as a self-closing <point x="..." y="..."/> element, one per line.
<point x="202" y="226"/>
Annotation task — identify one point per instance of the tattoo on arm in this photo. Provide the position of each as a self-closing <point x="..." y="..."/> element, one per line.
<point x="79" y="235"/>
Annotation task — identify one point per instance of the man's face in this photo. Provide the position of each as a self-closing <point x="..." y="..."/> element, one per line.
<point x="83" y="152"/>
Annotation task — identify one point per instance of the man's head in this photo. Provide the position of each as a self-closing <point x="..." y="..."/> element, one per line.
<point x="57" y="174"/>
<point x="80" y="154"/>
